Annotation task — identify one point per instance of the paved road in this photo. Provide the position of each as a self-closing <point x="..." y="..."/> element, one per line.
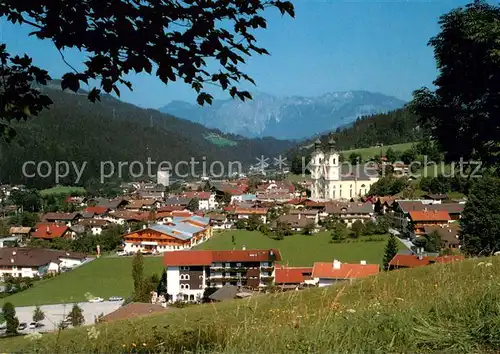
<point x="54" y="314"/>
<point x="403" y="240"/>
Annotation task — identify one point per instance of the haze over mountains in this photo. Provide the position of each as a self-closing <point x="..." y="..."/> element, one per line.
<point x="293" y="117"/>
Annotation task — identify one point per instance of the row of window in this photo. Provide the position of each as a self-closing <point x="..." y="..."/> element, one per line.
<point x="187" y="287"/>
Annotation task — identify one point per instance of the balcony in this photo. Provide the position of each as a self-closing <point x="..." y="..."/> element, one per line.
<point x="253" y="272"/>
<point x="266" y="276"/>
<point x="267" y="268"/>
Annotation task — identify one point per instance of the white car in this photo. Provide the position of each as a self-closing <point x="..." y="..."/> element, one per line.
<point x="121" y="253"/>
<point x="96" y="299"/>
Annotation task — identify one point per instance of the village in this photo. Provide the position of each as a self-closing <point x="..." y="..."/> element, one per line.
<point x="180" y="225"/>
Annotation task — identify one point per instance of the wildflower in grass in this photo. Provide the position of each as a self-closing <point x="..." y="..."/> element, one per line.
<point x="124" y="345"/>
<point x="144" y="344"/>
<point x="351" y="310"/>
<point x="93" y="333"/>
<point x="480" y="264"/>
<point x="489" y="264"/>
<point x="133" y="344"/>
<point x="34" y="336"/>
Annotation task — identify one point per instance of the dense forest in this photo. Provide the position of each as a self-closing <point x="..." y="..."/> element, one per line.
<point x="76" y="130"/>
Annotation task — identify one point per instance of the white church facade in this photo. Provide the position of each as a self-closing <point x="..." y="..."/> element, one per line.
<point x="332" y="180"/>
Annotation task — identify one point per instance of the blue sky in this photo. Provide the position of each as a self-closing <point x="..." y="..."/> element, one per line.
<point x="330" y="46"/>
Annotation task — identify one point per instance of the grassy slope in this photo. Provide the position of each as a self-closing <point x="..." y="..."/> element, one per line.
<point x="62" y="190"/>
<point x="301" y="250"/>
<point x="440" y="308"/>
<point x="107" y="277"/>
<point x="367" y="153"/>
<point x="103" y="277"/>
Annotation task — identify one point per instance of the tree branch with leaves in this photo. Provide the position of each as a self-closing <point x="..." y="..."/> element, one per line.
<point x="172" y="39"/>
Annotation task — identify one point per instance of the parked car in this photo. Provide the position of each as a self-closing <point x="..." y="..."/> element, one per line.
<point x="96" y="299"/>
<point x="32" y="325"/>
<point x="115" y="298"/>
<point x="22" y="326"/>
<point x="121" y="253"/>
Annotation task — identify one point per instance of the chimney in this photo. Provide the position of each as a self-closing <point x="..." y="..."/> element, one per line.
<point x="13" y="253"/>
<point x="144" y="227"/>
<point x="48" y="230"/>
<point x="363" y="262"/>
<point x="336" y="264"/>
<point x="420" y="257"/>
<point x="12" y="260"/>
<point x="244" y="247"/>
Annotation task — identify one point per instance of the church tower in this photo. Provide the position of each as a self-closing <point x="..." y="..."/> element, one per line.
<point x="332" y="167"/>
<point x="317" y="171"/>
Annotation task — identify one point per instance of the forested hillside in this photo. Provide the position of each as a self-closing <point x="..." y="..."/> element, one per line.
<point x="395" y="127"/>
<point x="76" y="130"/>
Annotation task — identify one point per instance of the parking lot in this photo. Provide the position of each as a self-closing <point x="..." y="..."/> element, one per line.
<point x="54" y="314"/>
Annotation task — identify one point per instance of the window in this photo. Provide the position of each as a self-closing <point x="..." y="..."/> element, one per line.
<point x="182" y="286"/>
<point x="186" y="286"/>
<point x="191" y="297"/>
<point x="186" y="276"/>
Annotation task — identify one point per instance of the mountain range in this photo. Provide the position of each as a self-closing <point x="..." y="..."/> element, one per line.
<point x="292" y="117"/>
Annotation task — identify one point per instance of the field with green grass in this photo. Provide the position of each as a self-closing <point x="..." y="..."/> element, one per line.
<point x="220" y="140"/>
<point x="367" y="153"/>
<point x="301" y="250"/>
<point x="102" y="277"/>
<point x="442" y="308"/>
<point x="63" y="190"/>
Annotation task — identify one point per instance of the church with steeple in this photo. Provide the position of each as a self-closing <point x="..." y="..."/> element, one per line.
<point x="333" y="180"/>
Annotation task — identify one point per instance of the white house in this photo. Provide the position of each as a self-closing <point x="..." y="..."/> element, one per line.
<point x="31" y="262"/>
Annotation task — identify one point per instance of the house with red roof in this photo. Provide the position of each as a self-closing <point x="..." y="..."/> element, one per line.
<point x="419" y="219"/>
<point x="419" y="260"/>
<point x="50" y="231"/>
<point x="95" y="212"/>
<point x="327" y="273"/>
<point x="189" y="273"/>
<point x="206" y="200"/>
<point x="293" y="277"/>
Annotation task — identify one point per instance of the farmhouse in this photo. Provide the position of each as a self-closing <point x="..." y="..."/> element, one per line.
<point x="31" y="262"/>
<point x="189" y="273"/>
<point x="47" y="231"/>
<point x="62" y="218"/>
<point x="142" y="205"/>
<point x="420" y="219"/>
<point x="448" y="235"/>
<point x="20" y="232"/>
<point x="350" y="212"/>
<point x="246" y="213"/>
